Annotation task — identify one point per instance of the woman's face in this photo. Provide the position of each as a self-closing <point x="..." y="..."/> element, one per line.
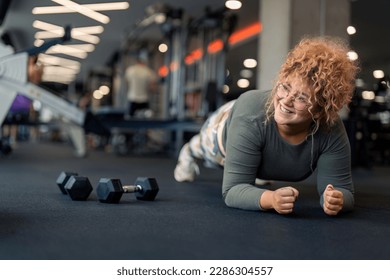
<point x="292" y="103"/>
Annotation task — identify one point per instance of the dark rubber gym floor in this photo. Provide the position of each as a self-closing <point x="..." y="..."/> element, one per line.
<point x="187" y="221"/>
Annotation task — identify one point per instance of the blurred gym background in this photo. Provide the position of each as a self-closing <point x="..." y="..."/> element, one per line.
<point x="204" y="53"/>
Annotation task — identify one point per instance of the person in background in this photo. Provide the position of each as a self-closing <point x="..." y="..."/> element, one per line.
<point x="141" y="80"/>
<point x="22" y="111"/>
<point x="284" y="134"/>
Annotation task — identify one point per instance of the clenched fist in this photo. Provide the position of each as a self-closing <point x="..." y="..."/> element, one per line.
<point x="333" y="200"/>
<point x="282" y="200"/>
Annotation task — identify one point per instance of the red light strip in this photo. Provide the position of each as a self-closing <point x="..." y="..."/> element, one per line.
<point x="217" y="45"/>
<point x="245" y="33"/>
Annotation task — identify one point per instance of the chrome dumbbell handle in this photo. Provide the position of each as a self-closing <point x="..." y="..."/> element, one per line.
<point x="132" y="188"/>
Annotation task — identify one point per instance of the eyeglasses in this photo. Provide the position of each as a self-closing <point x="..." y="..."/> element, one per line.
<point x="300" y="100"/>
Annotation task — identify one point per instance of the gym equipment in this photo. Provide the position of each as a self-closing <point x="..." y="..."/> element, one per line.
<point x="120" y="127"/>
<point x="63" y="178"/>
<point x="111" y="190"/>
<point x="77" y="187"/>
<point x="13" y="81"/>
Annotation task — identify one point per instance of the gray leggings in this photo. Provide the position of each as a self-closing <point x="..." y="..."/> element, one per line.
<point x="208" y="144"/>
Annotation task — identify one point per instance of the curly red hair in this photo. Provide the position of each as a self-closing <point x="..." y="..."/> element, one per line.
<point x="322" y="63"/>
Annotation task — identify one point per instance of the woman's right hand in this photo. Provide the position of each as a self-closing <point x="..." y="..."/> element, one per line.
<point x="282" y="199"/>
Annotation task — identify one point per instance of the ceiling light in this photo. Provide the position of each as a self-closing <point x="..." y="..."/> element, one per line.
<point x="163" y="48"/>
<point x="98" y="29"/>
<point x="351" y="30"/>
<point x="74" y="34"/>
<point x="225" y="89"/>
<point x="38" y="42"/>
<point x="84" y="37"/>
<point x="250" y="63"/>
<point x="63" y="49"/>
<point x="54" y="60"/>
<point x="49" y="34"/>
<point x="84" y="10"/>
<point x="51" y="70"/>
<point x="368" y="95"/>
<point x="55" y="31"/>
<point x="104" y="89"/>
<point x="97" y="94"/>
<point x="378" y="74"/>
<point x="63" y="79"/>
<point x="233" y="4"/>
<point x="352" y="55"/>
<point x="243" y="83"/>
<point x="44" y="25"/>
<point x="96" y="7"/>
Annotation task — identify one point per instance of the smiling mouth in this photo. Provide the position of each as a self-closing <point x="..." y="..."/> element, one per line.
<point x="284" y="110"/>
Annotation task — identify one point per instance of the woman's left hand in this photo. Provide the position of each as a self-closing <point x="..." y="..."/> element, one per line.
<point x="333" y="200"/>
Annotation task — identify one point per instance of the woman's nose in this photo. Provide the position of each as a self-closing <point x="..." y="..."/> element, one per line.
<point x="289" y="99"/>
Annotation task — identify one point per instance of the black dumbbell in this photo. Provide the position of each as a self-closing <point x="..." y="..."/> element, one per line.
<point x="78" y="187"/>
<point x="63" y="179"/>
<point x="111" y="190"/>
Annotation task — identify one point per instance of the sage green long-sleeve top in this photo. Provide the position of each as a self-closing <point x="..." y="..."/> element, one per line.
<point x="256" y="150"/>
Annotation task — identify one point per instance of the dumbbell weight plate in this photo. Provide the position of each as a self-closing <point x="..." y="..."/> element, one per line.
<point x="109" y="190"/>
<point x="78" y="187"/>
<point x="63" y="179"/>
<point x="149" y="188"/>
